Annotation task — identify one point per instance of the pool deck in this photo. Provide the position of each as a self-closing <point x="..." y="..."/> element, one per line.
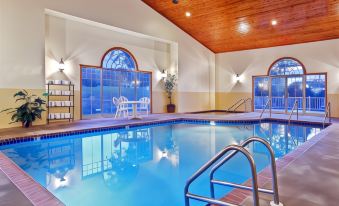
<point x="307" y="176"/>
<point x="63" y="127"/>
<point x="10" y="195"/>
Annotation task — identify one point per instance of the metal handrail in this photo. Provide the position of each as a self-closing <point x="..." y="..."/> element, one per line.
<point x="269" y="102"/>
<point x="293" y="108"/>
<point x="237" y="148"/>
<point x="251" y="104"/>
<point x="327" y="114"/>
<point x="235" y="104"/>
<point x="274" y="190"/>
<point x="244" y="102"/>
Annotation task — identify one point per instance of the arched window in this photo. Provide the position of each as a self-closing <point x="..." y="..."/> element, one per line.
<point x="287" y="84"/>
<point x="286" y="66"/>
<point x="119" y="58"/>
<point x="117" y="77"/>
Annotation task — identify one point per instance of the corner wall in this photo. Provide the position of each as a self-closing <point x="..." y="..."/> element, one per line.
<point x="322" y="56"/>
<point x="22" y="47"/>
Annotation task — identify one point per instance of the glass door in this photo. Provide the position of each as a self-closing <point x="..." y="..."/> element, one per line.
<point x="128" y="85"/>
<point x="315" y="93"/>
<point x="278" y="94"/>
<point x="91" y="91"/>
<point x="110" y="80"/>
<point x="295" y="92"/>
<point x="261" y="92"/>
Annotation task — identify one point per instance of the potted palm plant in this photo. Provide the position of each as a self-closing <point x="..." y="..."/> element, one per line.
<point x="169" y="85"/>
<point x="30" y="109"/>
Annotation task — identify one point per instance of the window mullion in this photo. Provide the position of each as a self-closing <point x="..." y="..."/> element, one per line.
<point x="304" y="94"/>
<point x="286" y="95"/>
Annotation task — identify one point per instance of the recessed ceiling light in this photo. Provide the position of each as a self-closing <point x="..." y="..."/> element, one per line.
<point x="188" y="14"/>
<point x="274" y="22"/>
<point x="243" y="27"/>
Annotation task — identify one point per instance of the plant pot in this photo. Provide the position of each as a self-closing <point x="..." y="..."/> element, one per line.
<point x="26" y="124"/>
<point x="171" y="108"/>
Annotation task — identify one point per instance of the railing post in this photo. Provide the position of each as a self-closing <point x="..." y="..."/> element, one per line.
<point x="270" y="108"/>
<point x="297" y="110"/>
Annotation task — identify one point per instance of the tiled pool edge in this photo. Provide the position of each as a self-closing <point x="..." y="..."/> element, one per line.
<point x="238" y="196"/>
<point x="16" y="173"/>
<point x="35" y="193"/>
<point x="20" y="139"/>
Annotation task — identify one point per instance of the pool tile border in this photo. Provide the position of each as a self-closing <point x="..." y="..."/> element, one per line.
<point x="34" y="192"/>
<point x="39" y="195"/>
<point x="31" y="138"/>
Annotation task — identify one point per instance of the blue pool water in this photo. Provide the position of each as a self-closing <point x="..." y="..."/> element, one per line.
<point x="146" y="166"/>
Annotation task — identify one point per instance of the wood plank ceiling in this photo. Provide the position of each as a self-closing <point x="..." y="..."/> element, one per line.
<point x="233" y="25"/>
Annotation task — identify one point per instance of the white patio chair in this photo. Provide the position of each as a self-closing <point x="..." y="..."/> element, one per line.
<point x="123" y="106"/>
<point x="143" y="106"/>
<point x="120" y="107"/>
<point x="117" y="105"/>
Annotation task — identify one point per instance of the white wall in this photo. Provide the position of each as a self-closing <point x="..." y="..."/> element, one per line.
<point x="320" y="56"/>
<point x="22" y="46"/>
<point x="80" y="43"/>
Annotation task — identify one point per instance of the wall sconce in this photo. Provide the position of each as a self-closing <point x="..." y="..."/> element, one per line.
<point x="61" y="65"/>
<point x="237" y="78"/>
<point x="163" y="74"/>
<point x="164" y="154"/>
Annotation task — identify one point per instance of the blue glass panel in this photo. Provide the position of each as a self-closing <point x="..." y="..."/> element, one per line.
<point x="315" y="93"/>
<point x="119" y="59"/>
<point x="144" y="86"/>
<point x="295" y="92"/>
<point x="261" y="92"/>
<point x="99" y="86"/>
<point x="110" y="89"/>
<point x="286" y="67"/>
<point x="91" y="89"/>
<point x="86" y="92"/>
<point x="127" y="85"/>
<point x="96" y="91"/>
<point x="278" y="93"/>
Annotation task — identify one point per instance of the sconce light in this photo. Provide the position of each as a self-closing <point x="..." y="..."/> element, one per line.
<point x="61" y="65"/>
<point x="237" y="78"/>
<point x="164" y="154"/>
<point x="163" y="74"/>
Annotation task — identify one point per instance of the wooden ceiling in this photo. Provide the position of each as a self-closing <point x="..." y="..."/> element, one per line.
<point x="233" y="25"/>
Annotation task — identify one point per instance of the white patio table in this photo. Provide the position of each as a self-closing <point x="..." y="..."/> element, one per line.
<point x="135" y="113"/>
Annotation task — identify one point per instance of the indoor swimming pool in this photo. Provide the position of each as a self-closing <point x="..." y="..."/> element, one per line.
<point x="148" y="165"/>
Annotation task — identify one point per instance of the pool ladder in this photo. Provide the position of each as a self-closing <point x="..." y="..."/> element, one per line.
<point x="295" y="107"/>
<point x="239" y="103"/>
<point x="268" y="104"/>
<point x="235" y="149"/>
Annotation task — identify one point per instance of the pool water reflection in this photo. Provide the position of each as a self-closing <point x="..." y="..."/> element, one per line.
<point x="146" y="165"/>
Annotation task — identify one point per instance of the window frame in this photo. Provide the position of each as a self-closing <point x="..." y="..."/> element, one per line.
<point x="83" y="66"/>
<point x="304" y="76"/>
<point x="123" y="49"/>
<point x="282" y="58"/>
